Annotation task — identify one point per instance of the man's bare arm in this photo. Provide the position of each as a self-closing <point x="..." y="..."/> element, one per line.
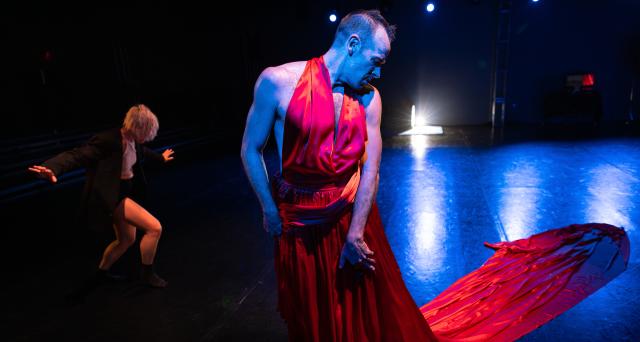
<point x="356" y="250"/>
<point x="260" y="120"/>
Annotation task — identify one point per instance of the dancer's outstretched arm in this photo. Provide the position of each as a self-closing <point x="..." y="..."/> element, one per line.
<point x="165" y="156"/>
<point x="66" y="161"/>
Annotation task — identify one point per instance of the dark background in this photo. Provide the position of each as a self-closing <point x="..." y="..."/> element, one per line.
<point x="70" y="66"/>
<point x="69" y="70"/>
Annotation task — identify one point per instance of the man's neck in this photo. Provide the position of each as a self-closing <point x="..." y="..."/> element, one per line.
<point x="334" y="62"/>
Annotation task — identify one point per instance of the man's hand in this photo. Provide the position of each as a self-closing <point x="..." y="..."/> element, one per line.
<point x="167" y="155"/>
<point x="357" y="253"/>
<point x="44" y="173"/>
<point x="272" y="223"/>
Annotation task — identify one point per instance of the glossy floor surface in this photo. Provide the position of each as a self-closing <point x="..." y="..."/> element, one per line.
<point x="440" y="198"/>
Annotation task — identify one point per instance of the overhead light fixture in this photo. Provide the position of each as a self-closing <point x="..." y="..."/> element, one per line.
<point x="430" y="7"/>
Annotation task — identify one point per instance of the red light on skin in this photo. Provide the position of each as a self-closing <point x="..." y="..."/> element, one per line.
<point x="588" y="80"/>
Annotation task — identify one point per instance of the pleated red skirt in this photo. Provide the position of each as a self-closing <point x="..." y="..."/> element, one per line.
<point x="320" y="302"/>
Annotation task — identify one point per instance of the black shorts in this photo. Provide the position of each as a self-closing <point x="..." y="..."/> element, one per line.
<point x="126" y="189"/>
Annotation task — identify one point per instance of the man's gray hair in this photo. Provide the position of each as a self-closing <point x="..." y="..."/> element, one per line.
<point x="363" y="22"/>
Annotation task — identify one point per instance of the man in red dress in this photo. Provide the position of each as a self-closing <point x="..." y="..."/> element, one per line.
<point x="337" y="277"/>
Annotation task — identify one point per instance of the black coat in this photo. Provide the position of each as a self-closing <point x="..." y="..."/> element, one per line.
<point x="102" y="158"/>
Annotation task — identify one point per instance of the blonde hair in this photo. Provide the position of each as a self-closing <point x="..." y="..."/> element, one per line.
<point x="141" y="122"/>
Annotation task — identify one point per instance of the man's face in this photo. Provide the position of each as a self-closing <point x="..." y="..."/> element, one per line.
<point x="367" y="59"/>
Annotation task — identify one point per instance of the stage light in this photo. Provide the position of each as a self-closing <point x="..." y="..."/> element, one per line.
<point x="424" y="130"/>
<point x="588" y="80"/>
<point x="47" y="56"/>
<point x="430" y="7"/>
<point x="534" y="0"/>
<point x="333" y="18"/>
<point x="419" y="125"/>
<point x="413" y="116"/>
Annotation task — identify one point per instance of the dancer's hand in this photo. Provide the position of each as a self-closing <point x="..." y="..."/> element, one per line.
<point x="44" y="173"/>
<point x="272" y="223"/>
<point x="357" y="253"/>
<point x="167" y="155"/>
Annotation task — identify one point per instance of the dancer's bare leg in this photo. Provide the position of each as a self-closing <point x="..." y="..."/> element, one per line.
<point x="125" y="237"/>
<point x="136" y="215"/>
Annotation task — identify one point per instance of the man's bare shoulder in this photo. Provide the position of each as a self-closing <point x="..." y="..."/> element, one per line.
<point x="292" y="67"/>
<point x="367" y="94"/>
<point x="283" y="75"/>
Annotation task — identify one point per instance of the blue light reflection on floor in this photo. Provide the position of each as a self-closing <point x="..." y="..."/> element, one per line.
<point x="440" y="200"/>
<point x="426" y="224"/>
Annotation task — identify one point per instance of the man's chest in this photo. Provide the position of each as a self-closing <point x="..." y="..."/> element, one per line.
<point x="285" y="97"/>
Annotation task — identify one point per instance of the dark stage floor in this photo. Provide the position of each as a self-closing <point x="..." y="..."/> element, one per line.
<point x="440" y="198"/>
